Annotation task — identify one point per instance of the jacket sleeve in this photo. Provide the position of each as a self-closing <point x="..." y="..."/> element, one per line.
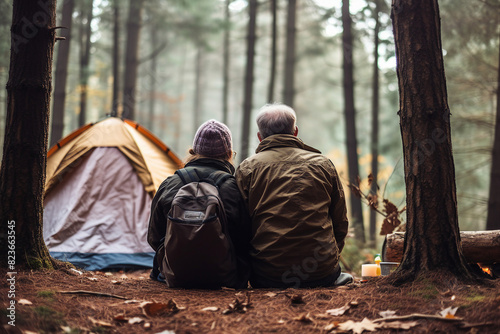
<point x="239" y="226"/>
<point x="338" y="211"/>
<point x="159" y="210"/>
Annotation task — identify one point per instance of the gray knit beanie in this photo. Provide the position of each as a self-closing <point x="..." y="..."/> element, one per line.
<point x="213" y="139"/>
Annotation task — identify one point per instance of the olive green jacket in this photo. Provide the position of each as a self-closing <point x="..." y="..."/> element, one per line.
<point x="298" y="210"/>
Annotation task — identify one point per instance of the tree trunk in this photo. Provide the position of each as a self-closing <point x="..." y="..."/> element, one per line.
<point x="132" y="58"/>
<point x="115" y="103"/>
<point x="248" y="97"/>
<point x="432" y="241"/>
<point x="61" y="73"/>
<point x="374" y="134"/>
<point x="22" y="175"/>
<point x="478" y="246"/>
<point x="198" y="89"/>
<point x="350" y="121"/>
<point x="493" y="218"/>
<point x="152" y="78"/>
<point x="86" y="33"/>
<point x="289" y="84"/>
<point x="225" y="74"/>
<point x="274" y="43"/>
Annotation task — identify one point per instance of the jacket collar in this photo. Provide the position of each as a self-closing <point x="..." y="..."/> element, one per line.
<point x="281" y="140"/>
<point x="212" y="163"/>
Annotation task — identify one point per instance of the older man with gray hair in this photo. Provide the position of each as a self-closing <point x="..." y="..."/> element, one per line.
<point x="297" y="205"/>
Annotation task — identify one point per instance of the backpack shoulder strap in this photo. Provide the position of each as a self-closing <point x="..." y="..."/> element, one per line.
<point x="188" y="175"/>
<point x="219" y="177"/>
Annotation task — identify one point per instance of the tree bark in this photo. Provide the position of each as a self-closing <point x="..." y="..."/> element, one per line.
<point x="478" y="246"/>
<point x="432" y="241"/>
<point x="132" y="58"/>
<point x="375" y="111"/>
<point x="115" y="103"/>
<point x="289" y="84"/>
<point x="350" y="121"/>
<point x="22" y="174"/>
<point x="197" y="88"/>
<point x="274" y="43"/>
<point x="225" y="73"/>
<point x="248" y="94"/>
<point x="86" y="33"/>
<point x="152" y="78"/>
<point x="493" y="217"/>
<point x="61" y="74"/>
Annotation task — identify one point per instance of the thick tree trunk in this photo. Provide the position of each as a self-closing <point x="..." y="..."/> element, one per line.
<point x="22" y="175"/>
<point x="478" y="246"/>
<point x="274" y="43"/>
<point x="432" y="241"/>
<point x="350" y="121"/>
<point x="493" y="218"/>
<point x="132" y="58"/>
<point x="61" y="73"/>
<point x="374" y="134"/>
<point x="248" y="96"/>
<point x="86" y="33"/>
<point x="225" y="72"/>
<point x="289" y="84"/>
<point x="115" y="103"/>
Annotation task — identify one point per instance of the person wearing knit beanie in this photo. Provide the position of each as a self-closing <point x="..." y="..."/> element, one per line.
<point x="213" y="139"/>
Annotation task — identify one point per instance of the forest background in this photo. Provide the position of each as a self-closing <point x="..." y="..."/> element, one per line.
<point x="180" y="78"/>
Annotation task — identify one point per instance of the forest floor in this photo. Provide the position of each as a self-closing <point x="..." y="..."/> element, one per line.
<point x="65" y="301"/>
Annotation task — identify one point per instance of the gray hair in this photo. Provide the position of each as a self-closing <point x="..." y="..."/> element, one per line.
<point x="276" y="118"/>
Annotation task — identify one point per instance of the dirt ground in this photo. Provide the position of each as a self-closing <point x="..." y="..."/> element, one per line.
<point x="65" y="301"/>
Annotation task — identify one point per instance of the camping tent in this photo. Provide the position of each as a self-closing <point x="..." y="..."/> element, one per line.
<point x="100" y="181"/>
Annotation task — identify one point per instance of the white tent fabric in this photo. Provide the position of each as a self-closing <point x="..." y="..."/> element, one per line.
<point x="98" y="214"/>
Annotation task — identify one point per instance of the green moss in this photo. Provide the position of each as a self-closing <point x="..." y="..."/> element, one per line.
<point x="48" y="294"/>
<point x="425" y="290"/>
<point x="37" y="263"/>
<point x="48" y="320"/>
<point x="473" y="296"/>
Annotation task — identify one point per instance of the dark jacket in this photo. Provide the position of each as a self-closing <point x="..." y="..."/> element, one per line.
<point x="298" y="210"/>
<point x="237" y="215"/>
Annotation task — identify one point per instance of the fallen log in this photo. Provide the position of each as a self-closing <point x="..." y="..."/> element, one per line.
<point x="478" y="246"/>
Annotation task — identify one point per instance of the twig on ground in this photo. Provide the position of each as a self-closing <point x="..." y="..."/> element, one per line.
<point x="418" y="315"/>
<point x="93" y="293"/>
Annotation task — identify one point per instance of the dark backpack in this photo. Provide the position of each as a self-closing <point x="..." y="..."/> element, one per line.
<point x="198" y="250"/>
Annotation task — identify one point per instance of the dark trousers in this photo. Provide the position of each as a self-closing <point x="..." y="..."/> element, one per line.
<point x="262" y="282"/>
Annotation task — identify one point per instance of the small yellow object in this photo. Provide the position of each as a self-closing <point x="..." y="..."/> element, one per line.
<point x="377" y="262"/>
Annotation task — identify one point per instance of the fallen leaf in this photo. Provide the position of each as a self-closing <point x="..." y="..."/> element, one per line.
<point x="100" y="323"/>
<point x="399" y="325"/>
<point x="75" y="272"/>
<point x="147" y="325"/>
<point x="453" y="297"/>
<point x="238" y="306"/>
<point x="359" y="327"/>
<point x="210" y="308"/>
<point x="304" y="318"/>
<point x="93" y="279"/>
<point x="121" y="318"/>
<point x="135" y="320"/>
<point x="166" y="331"/>
<point x="152" y="309"/>
<point x="24" y="302"/>
<point x="331" y="326"/>
<point x="387" y="313"/>
<point x="322" y="316"/>
<point x="281" y="321"/>
<point x="116" y="282"/>
<point x="108" y="274"/>
<point x="449" y="312"/>
<point x="338" y="311"/>
<point x="271" y="294"/>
